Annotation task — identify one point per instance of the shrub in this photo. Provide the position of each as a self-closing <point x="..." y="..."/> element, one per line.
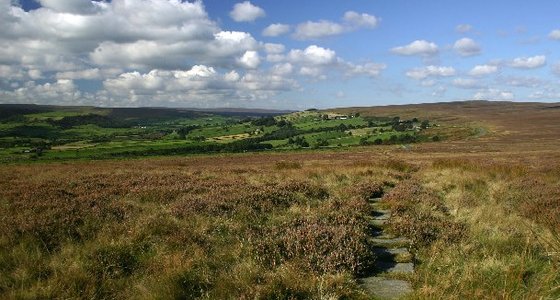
<point x="420" y="215"/>
<point x="287" y="165"/>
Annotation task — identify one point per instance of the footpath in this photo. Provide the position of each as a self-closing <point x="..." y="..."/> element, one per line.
<point x="392" y="258"/>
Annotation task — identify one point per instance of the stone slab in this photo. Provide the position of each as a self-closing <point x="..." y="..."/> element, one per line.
<point x="384" y="288"/>
<point x="394" y="267"/>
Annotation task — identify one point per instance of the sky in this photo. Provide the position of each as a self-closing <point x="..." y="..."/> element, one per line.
<point x="277" y="54"/>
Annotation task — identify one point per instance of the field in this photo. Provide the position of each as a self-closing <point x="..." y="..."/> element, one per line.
<point x="481" y="207"/>
<point x="42" y="133"/>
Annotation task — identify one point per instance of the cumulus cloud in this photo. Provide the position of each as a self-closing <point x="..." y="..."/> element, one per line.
<point x="164" y="52"/>
<point x="463" y="28"/>
<point x="276" y="29"/>
<point x="493" y="94"/>
<point x="199" y="85"/>
<point x="351" y="21"/>
<point x="220" y="50"/>
<point x="11" y="72"/>
<point x="74" y="6"/>
<point x="282" y="69"/>
<point x="418" y="47"/>
<point x="272" y="48"/>
<point x="89" y="74"/>
<point x="532" y="62"/>
<point x="466" y="47"/>
<point x="62" y="91"/>
<point x="360" y="20"/>
<point x="246" y="12"/>
<point x="481" y="70"/>
<point x="62" y="34"/>
<point x="554" y="34"/>
<point x="250" y="60"/>
<point x="430" y="71"/>
<point x="315" y="61"/>
<point x="313" y="30"/>
<point x="313" y="55"/>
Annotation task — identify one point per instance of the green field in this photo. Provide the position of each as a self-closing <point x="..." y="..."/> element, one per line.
<point x="59" y="133"/>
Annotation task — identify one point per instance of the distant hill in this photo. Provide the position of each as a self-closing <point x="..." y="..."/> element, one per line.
<point x="12" y="110"/>
<point x="244" y="111"/>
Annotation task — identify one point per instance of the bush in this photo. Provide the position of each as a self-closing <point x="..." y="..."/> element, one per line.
<point x="420" y="215"/>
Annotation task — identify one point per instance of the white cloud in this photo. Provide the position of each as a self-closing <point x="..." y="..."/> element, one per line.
<point x="481" y="70"/>
<point x="166" y="51"/>
<point x="246" y="12"/>
<point x="528" y="62"/>
<point x="493" y="94"/>
<point x="467" y="83"/>
<point x="318" y="29"/>
<point x="429" y="71"/>
<point x="276" y="29"/>
<point x="89" y="74"/>
<point x="274" y="48"/>
<point x="221" y="50"/>
<point x="275" y="58"/>
<point x="418" y="47"/>
<point x="368" y="69"/>
<point x="62" y="91"/>
<point x="200" y="85"/>
<point x="315" y="61"/>
<point x="231" y="76"/>
<point x="52" y="39"/>
<point x="313" y="30"/>
<point x="360" y="20"/>
<point x="11" y="72"/>
<point x="282" y="69"/>
<point x="463" y="28"/>
<point x="313" y="55"/>
<point x="250" y="60"/>
<point x="66" y="6"/>
<point x="466" y="47"/>
<point x="554" y="34"/>
<point x="35" y="74"/>
<point x="315" y="72"/>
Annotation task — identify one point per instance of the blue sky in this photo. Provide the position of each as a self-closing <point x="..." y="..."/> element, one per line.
<point x="316" y="53"/>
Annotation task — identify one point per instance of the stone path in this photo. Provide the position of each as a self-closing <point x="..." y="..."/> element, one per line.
<point x="392" y="256"/>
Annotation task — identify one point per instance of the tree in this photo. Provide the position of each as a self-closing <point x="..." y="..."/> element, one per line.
<point x="266" y="121"/>
<point x="282" y="123"/>
<point x="322" y="143"/>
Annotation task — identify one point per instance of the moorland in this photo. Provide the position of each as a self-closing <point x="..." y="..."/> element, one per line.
<point x="282" y="219"/>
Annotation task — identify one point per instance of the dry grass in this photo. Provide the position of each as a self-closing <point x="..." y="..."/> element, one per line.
<point x="182" y="228"/>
